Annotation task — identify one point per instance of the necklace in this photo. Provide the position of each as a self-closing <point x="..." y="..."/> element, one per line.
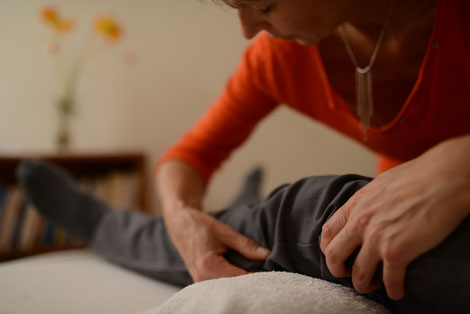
<point x="364" y="96"/>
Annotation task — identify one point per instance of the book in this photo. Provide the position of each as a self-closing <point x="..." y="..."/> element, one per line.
<point x="48" y="235"/>
<point x="3" y="196"/>
<point x="18" y="224"/>
<point x="38" y="233"/>
<point x="60" y="237"/>
<point x="30" y="227"/>
<point x="12" y="206"/>
<point x="129" y="190"/>
<point x="102" y="188"/>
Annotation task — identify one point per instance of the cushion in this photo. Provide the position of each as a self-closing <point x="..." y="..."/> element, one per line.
<point x="267" y="292"/>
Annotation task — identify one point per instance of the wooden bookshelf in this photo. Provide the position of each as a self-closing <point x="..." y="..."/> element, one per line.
<point x="82" y="165"/>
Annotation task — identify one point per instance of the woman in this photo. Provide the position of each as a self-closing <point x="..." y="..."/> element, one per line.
<point x="317" y="57"/>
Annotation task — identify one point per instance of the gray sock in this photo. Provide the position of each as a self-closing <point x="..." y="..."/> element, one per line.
<point x="59" y="199"/>
<point x="250" y="192"/>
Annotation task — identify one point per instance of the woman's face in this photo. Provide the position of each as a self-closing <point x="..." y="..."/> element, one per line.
<point x="305" y="21"/>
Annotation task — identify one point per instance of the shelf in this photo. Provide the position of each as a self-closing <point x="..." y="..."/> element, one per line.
<point x="84" y="164"/>
<point x="111" y="172"/>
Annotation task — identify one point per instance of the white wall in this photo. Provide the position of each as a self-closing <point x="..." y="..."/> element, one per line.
<point x="185" y="51"/>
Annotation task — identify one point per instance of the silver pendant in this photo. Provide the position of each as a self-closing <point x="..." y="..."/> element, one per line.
<point x="364" y="98"/>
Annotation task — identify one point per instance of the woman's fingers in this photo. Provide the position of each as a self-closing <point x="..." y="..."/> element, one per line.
<point x="201" y="243"/>
<point x="240" y="243"/>
<point x="215" y="266"/>
<point x="364" y="268"/>
<point x="394" y="280"/>
<point x="338" y="251"/>
<point x="333" y="226"/>
<point x="222" y="268"/>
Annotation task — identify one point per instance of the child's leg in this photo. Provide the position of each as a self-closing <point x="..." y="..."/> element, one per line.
<point x="288" y="221"/>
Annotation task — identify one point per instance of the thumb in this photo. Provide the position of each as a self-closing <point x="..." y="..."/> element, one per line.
<point x="244" y="245"/>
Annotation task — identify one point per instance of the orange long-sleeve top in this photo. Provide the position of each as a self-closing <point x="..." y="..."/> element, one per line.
<point x="274" y="72"/>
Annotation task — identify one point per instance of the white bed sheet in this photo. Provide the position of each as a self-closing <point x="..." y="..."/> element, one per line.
<point x="76" y="282"/>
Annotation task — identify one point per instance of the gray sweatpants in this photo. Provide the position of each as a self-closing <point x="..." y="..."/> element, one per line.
<point x="289" y="223"/>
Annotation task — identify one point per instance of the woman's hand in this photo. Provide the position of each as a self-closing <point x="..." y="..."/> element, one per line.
<point x="202" y="241"/>
<point x="400" y="215"/>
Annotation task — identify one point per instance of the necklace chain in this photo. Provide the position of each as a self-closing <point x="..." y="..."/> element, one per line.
<point x="364" y="96"/>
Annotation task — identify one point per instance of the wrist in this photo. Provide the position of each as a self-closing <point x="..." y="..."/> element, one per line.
<point x="170" y="205"/>
<point x="173" y="209"/>
<point x="179" y="186"/>
<point x="461" y="197"/>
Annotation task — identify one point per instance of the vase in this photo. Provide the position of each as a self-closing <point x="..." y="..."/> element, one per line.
<point x="63" y="134"/>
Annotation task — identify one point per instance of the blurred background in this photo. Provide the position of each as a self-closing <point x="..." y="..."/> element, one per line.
<point x="172" y="61"/>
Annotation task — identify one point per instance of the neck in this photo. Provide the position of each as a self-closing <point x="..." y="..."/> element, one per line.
<point x="368" y="16"/>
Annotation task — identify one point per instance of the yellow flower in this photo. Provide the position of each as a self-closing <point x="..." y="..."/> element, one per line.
<point x="52" y="17"/>
<point x="108" y="27"/>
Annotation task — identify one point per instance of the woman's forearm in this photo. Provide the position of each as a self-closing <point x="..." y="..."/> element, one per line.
<point x="455" y="153"/>
<point x="179" y="183"/>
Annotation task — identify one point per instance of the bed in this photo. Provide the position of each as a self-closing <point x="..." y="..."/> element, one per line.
<point x="78" y="281"/>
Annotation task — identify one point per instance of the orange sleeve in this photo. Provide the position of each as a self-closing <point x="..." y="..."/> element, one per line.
<point x="231" y="118"/>
<point x="385" y="163"/>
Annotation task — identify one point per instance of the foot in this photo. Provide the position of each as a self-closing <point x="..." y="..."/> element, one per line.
<point x="250" y="192"/>
<point x="56" y="196"/>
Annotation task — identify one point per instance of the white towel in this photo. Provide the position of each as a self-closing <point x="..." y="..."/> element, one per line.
<point x="267" y="292"/>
